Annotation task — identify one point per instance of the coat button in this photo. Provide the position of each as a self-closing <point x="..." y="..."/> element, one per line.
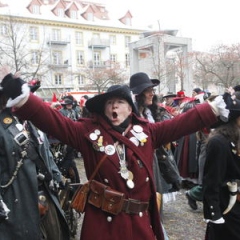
<point x="212" y="213"/>
<point x="105" y="180"/>
<point x="147" y="179"/>
<point x="109" y="218"/>
<point x="140" y="214"/>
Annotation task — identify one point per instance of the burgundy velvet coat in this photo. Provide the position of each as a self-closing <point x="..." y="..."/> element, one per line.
<point x="96" y="224"/>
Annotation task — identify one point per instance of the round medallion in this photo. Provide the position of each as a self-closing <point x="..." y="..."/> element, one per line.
<point x="97" y="132"/>
<point x="109" y="149"/>
<point x="102" y="149"/>
<point x="137" y="128"/>
<point x="7" y="120"/>
<point x="130" y="184"/>
<point x="130" y="175"/>
<point x="93" y="136"/>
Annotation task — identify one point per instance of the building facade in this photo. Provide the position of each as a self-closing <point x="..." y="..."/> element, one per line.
<point x="56" y="41"/>
<point x="72" y="45"/>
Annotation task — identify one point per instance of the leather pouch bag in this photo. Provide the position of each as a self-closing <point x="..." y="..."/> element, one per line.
<point x="96" y="193"/>
<point x="112" y="201"/>
<point x="80" y="197"/>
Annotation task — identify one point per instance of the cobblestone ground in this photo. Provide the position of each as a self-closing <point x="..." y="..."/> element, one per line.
<point x="180" y="222"/>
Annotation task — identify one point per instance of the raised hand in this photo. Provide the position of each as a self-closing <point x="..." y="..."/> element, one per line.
<point x="11" y="86"/>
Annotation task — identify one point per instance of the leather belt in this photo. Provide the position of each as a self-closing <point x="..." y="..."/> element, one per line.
<point x="112" y="201"/>
<point x="133" y="206"/>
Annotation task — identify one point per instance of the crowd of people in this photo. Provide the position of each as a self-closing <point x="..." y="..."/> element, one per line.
<point x="151" y="152"/>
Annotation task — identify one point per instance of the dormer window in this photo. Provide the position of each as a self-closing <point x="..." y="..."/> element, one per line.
<point x="36" y="9"/>
<point x="128" y="21"/>
<point x="90" y="16"/>
<point x="73" y="14"/>
<point x="60" y="12"/>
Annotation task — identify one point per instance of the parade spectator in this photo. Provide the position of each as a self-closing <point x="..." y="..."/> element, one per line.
<point x="67" y="165"/>
<point x="199" y="95"/>
<point x="67" y="110"/>
<point x="84" y="111"/>
<point x="165" y="155"/>
<point x="128" y="142"/>
<point x="169" y="99"/>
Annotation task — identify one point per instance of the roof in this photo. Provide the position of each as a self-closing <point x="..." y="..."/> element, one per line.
<point x="102" y="16"/>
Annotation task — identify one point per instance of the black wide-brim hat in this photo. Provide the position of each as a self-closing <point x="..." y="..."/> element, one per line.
<point x="67" y="101"/>
<point x="96" y="104"/>
<point x="141" y="81"/>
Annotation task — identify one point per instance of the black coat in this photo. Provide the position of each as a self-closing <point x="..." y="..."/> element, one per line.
<point x="21" y="196"/>
<point x="222" y="165"/>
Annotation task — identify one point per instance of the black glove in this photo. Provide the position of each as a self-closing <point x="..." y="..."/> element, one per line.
<point x="12" y="87"/>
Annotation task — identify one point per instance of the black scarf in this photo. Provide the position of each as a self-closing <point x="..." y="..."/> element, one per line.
<point x="122" y="127"/>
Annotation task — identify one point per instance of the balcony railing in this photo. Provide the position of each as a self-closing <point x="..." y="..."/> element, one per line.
<point x="98" y="43"/>
<point x="100" y="64"/>
<point x="58" y="42"/>
<point x="52" y="65"/>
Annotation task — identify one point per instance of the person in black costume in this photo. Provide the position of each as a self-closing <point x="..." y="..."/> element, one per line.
<point x="221" y="201"/>
<point x="29" y="181"/>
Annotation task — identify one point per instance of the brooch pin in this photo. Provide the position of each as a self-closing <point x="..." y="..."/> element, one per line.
<point x="138" y="133"/>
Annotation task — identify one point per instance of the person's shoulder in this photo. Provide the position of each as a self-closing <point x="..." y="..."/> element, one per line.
<point x="218" y="141"/>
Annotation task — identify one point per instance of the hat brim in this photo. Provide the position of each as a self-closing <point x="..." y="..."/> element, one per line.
<point x="96" y="104"/>
<point x="170" y="95"/>
<point x="139" y="89"/>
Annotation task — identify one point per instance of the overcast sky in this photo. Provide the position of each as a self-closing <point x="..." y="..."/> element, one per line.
<point x="207" y="22"/>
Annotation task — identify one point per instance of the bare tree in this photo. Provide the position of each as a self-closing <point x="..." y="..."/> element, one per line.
<point x="101" y="78"/>
<point x="221" y="66"/>
<point x="16" y="50"/>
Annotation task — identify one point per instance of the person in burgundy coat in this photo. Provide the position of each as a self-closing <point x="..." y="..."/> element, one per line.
<point x="129" y="142"/>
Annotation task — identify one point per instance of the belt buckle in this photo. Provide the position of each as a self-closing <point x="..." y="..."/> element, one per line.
<point x="129" y="202"/>
<point x="21" y="138"/>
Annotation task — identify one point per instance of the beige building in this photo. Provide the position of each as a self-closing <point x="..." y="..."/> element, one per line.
<point x="65" y="42"/>
<point x="58" y="40"/>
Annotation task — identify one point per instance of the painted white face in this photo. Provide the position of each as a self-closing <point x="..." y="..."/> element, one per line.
<point x="117" y="110"/>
